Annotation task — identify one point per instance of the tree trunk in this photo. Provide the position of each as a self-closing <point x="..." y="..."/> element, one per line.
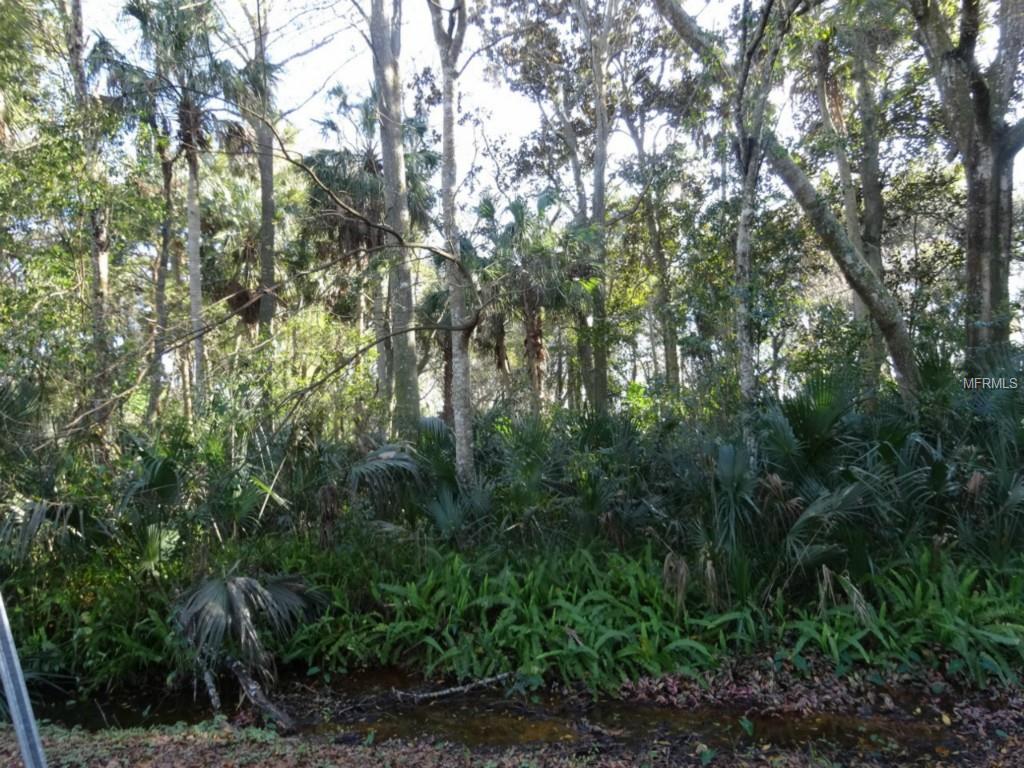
<point x="156" y="371"/>
<point x="385" y="37"/>
<point x="449" y="45"/>
<point x="600" y="332"/>
<point x="533" y="343"/>
<point x="265" y="164"/>
<point x="382" y="329"/>
<point x="744" y="297"/>
<point x="447" y="406"/>
<point x="665" y="312"/>
<point x="871" y="191"/>
<point x="976" y="104"/>
<point x="585" y="353"/>
<point x="268" y="207"/>
<point x="99" y="245"/>
<point x="195" y="282"/>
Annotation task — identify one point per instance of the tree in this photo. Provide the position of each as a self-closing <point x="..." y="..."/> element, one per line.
<point x="449" y="38"/>
<point x="976" y="105"/>
<point x="386" y="44"/>
<point x="176" y="39"/>
<point x="97" y="216"/>
<point x="137" y="95"/>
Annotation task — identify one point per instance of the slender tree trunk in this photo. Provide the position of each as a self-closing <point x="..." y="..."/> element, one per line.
<point x="744" y="299"/>
<point x="385" y="37"/>
<point x="825" y="92"/>
<point x="665" y="311"/>
<point x="268" y="207"/>
<point x="533" y="343"/>
<point x="585" y="353"/>
<point x="265" y="163"/>
<point x="195" y="283"/>
<point x="449" y="45"/>
<point x="447" y="406"/>
<point x="99" y="245"/>
<point x="501" y="356"/>
<point x="382" y="329"/>
<point x="156" y="372"/>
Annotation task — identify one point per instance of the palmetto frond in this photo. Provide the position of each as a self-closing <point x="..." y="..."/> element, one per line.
<point x="225" y="615"/>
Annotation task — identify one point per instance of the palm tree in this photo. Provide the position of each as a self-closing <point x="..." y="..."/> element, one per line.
<point x="527" y="258"/>
<point x="176" y="38"/>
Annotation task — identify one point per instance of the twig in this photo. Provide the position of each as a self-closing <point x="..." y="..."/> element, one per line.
<point x="416" y="698"/>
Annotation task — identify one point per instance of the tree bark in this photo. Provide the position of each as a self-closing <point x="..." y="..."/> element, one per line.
<point x="156" y="371"/>
<point x="99" y="255"/>
<point x="449" y="45"/>
<point x="533" y="343"/>
<point x="869" y="180"/>
<point x="268" y="207"/>
<point x="385" y="39"/>
<point x="265" y="164"/>
<point x="744" y="298"/>
<point x="871" y="190"/>
<point x="600" y="331"/>
<point x="382" y="329"/>
<point x="195" y="282"/>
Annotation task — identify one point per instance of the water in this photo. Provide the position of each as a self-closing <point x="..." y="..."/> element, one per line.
<point x="362" y="708"/>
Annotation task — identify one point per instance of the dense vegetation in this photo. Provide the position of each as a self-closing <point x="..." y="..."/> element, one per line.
<point x="687" y="410"/>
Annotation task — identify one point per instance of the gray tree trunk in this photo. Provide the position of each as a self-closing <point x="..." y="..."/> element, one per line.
<point x="382" y="329"/>
<point x="851" y="211"/>
<point x="99" y="252"/>
<point x="195" y="283"/>
<point x="871" y="189"/>
<point x="744" y="298"/>
<point x="156" y="371"/>
<point x="385" y="39"/>
<point x="265" y="164"/>
<point x="600" y="331"/>
<point x="449" y="45"/>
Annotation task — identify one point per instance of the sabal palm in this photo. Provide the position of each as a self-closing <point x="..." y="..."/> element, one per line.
<point x="176" y="39"/>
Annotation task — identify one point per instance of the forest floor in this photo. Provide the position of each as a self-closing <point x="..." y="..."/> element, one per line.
<point x="750" y="713"/>
<point x="224" y="745"/>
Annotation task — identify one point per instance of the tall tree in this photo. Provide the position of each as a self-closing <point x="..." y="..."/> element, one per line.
<point x="177" y="40"/>
<point x="96" y="216"/>
<point x="977" y="103"/>
<point x="386" y="44"/>
<point x="251" y="89"/>
<point x="449" y="37"/>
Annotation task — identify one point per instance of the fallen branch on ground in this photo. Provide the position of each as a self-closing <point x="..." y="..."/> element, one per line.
<point x="431" y="695"/>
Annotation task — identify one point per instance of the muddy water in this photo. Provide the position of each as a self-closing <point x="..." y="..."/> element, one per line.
<point x="362" y="708"/>
<point x="491" y="719"/>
